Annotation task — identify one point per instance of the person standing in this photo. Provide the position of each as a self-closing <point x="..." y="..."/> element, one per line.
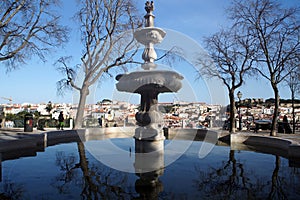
<point x="61" y="121"/>
<point x="286" y="125"/>
<point x="100" y="121"/>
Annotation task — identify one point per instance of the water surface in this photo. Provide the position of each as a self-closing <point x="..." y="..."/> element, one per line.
<point x="71" y="171"/>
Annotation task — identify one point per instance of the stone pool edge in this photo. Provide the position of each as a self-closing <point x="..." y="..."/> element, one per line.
<point x="286" y="147"/>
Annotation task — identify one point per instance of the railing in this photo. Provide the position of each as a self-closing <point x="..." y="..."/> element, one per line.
<point x="42" y="123"/>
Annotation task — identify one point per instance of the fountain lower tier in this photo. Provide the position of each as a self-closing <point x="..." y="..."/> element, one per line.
<point x="158" y="80"/>
<point x="149" y="84"/>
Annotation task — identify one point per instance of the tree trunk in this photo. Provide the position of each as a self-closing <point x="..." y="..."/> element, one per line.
<point x="276" y="109"/>
<point x="84" y="92"/>
<point x="234" y="165"/>
<point x="90" y="188"/>
<point x="232" y="112"/>
<point x="82" y="159"/>
<point x="275" y="182"/>
<point x="293" y="111"/>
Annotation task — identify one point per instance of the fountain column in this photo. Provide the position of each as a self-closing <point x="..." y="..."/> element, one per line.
<point x="149" y="83"/>
<point x="149" y="136"/>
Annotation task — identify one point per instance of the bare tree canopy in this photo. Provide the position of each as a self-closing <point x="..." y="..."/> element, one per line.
<point x="232" y="53"/>
<point x="276" y="31"/>
<point x="230" y="59"/>
<point x="107" y="37"/>
<point x="292" y="81"/>
<point x="28" y="28"/>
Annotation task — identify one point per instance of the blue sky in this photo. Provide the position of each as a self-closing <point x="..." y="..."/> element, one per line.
<point x="35" y="82"/>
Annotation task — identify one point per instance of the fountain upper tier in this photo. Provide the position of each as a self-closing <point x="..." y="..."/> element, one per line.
<point x="150" y="79"/>
<point x="149" y="82"/>
<point x="149" y="35"/>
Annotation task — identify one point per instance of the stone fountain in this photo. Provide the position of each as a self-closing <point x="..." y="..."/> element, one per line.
<point x="149" y="83"/>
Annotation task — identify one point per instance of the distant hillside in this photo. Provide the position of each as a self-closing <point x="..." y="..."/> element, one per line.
<point x="272" y="100"/>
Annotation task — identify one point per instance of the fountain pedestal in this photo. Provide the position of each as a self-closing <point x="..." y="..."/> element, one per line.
<point x="149" y="83"/>
<point x="149" y="167"/>
<point x="147" y="146"/>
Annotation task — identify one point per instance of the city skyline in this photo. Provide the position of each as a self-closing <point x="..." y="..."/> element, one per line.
<point x="35" y="82"/>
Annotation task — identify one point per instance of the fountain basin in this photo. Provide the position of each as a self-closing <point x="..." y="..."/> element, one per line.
<point x="55" y="174"/>
<point x="287" y="148"/>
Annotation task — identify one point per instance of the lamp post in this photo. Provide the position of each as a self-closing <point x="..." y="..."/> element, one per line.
<point x="239" y="95"/>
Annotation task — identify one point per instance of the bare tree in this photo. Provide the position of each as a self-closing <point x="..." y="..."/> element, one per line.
<point x="293" y="83"/>
<point x="228" y="181"/>
<point x="276" y="32"/>
<point x="230" y="60"/>
<point x="104" y="29"/>
<point x="95" y="180"/>
<point x="27" y="28"/>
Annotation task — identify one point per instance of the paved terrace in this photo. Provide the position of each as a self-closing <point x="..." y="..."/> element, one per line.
<point x="16" y="140"/>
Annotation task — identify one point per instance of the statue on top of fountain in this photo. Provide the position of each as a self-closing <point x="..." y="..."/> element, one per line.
<point x="149" y="17"/>
<point x="149" y="6"/>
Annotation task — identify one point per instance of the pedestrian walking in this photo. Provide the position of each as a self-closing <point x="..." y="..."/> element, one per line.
<point x="61" y="121"/>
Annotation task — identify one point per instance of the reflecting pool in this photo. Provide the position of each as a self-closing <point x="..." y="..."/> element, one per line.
<point x="73" y="171"/>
